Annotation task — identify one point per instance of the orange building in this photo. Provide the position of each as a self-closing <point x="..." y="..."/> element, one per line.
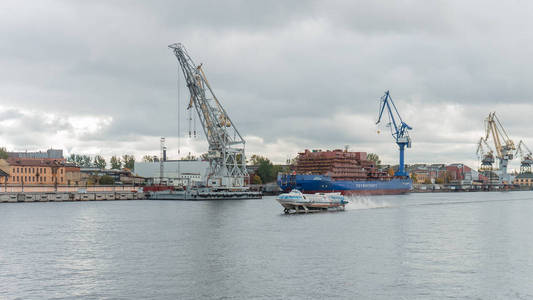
<point x="33" y="171"/>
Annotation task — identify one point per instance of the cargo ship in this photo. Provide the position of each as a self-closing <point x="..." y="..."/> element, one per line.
<point x="341" y="171"/>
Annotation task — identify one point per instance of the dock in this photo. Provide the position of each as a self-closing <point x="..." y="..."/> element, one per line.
<point x="14" y="197"/>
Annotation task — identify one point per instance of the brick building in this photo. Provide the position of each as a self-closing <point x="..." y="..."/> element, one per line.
<point x="524" y="179"/>
<point x="36" y="171"/>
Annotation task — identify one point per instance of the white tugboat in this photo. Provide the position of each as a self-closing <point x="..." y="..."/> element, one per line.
<point x="296" y="202"/>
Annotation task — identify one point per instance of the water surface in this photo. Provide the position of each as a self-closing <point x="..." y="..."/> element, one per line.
<point x="418" y="246"/>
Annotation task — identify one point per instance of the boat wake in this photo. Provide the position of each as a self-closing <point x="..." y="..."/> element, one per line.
<point x="364" y="202"/>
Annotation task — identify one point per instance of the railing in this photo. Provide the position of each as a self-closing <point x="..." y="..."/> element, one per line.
<point x="66" y="188"/>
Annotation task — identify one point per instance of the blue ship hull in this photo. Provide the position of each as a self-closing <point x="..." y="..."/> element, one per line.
<point x="310" y="184"/>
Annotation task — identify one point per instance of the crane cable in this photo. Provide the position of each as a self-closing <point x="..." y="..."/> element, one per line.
<point x="179" y="123"/>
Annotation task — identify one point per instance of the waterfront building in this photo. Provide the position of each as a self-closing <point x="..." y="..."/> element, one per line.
<point x="72" y="174"/>
<point x="175" y="172"/>
<point x="36" y="171"/>
<point x="524" y="179"/>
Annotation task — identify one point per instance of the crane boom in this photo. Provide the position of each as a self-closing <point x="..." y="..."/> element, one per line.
<point x="503" y="145"/>
<point x="485" y="153"/>
<point x="526" y="157"/>
<point x="399" y="129"/>
<point x="226" y="155"/>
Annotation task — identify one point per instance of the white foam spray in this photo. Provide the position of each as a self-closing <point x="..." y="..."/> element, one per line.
<point x="364" y="202"/>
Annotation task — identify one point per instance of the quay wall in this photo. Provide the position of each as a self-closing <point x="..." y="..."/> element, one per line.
<point x="13" y="197"/>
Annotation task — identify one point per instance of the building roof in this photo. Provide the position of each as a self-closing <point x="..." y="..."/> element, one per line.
<point x="524" y="176"/>
<point x="3" y="173"/>
<point x="32" y="162"/>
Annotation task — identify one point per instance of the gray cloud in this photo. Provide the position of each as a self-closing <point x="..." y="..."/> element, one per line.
<point x="291" y="74"/>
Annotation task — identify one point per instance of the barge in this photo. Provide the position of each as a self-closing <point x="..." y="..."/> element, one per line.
<point x="200" y="194"/>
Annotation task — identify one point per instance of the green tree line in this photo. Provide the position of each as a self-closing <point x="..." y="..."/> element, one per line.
<point x="98" y="161"/>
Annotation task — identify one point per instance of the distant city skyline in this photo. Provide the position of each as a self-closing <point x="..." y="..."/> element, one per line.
<point x="97" y="78"/>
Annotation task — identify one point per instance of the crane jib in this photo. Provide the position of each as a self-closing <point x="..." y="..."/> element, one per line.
<point x="399" y="129"/>
<point x="226" y="154"/>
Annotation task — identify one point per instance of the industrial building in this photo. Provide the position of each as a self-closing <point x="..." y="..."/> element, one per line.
<point x="457" y="174"/>
<point x="49" y="154"/>
<point x="175" y="172"/>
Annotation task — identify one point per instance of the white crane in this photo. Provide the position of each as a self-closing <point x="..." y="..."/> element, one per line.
<point x="503" y="145"/>
<point x="526" y="158"/>
<point x="485" y="153"/>
<point x="227" y="160"/>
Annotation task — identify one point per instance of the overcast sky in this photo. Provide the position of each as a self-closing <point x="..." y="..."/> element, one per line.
<point x="96" y="77"/>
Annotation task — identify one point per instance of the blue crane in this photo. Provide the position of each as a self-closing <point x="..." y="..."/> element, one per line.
<point x="398" y="127"/>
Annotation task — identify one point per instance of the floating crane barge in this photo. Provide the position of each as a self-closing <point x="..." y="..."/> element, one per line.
<point x="227" y="160"/>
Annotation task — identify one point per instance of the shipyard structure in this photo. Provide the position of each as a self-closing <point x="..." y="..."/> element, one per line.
<point x="351" y="172"/>
<point x="226" y="171"/>
<point x="497" y="146"/>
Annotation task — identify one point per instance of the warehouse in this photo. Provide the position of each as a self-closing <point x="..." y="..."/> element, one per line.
<point x="175" y="172"/>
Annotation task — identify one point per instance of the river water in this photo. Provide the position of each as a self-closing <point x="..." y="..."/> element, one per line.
<point x="417" y="246"/>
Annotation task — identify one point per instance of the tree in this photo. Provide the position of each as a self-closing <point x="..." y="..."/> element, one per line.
<point x="129" y="161"/>
<point x="256" y="179"/>
<point x="374" y="157"/>
<point x="99" y="162"/>
<point x="256" y="159"/>
<point x="106" y="180"/>
<point x="86" y="161"/>
<point x="189" y="157"/>
<point x="73" y="158"/>
<point x="3" y="153"/>
<point x="266" y="171"/>
<point x="148" y="158"/>
<point x="83" y="161"/>
<point x="116" y="163"/>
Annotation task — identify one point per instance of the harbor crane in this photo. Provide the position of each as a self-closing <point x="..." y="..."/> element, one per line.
<point x="503" y="145"/>
<point x="485" y="153"/>
<point x="399" y="129"/>
<point x="526" y="158"/>
<point x="226" y="156"/>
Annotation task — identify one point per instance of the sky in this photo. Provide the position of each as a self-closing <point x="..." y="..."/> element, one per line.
<point x="97" y="77"/>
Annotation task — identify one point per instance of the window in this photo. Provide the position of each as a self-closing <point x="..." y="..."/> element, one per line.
<point x="61" y="171"/>
<point x="44" y="170"/>
<point x="13" y="178"/>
